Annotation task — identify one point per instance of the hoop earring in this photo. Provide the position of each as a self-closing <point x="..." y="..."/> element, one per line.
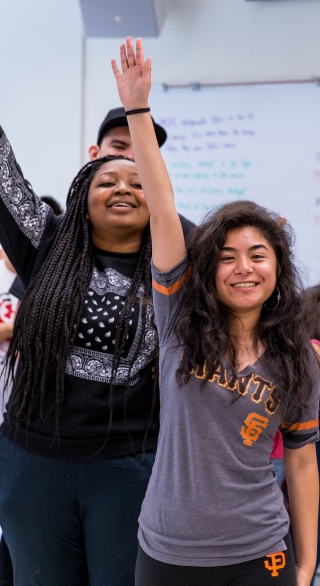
<point x="278" y="297"/>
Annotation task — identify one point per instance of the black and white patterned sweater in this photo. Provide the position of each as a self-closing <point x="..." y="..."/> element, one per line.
<point x="27" y="228"/>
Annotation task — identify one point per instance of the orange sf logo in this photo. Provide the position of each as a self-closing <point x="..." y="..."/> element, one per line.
<point x="278" y="561"/>
<point x="253" y="426"/>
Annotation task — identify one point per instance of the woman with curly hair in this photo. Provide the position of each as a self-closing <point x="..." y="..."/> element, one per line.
<point x="235" y="365"/>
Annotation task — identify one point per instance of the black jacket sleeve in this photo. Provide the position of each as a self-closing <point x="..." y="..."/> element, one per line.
<point x="17" y="289"/>
<point x="186" y="225"/>
<point x="27" y="225"/>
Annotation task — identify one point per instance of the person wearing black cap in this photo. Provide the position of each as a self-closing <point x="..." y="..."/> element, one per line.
<point x="114" y="139"/>
<point x="114" y="136"/>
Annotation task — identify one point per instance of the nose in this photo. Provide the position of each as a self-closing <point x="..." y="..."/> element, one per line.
<point x="129" y="153"/>
<point x="243" y="266"/>
<point x="122" y="188"/>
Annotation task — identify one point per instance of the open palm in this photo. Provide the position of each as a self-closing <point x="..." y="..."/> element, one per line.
<point x="135" y="80"/>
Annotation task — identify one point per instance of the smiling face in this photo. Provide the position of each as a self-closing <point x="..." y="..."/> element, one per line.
<point x="117" y="207"/>
<point x="246" y="271"/>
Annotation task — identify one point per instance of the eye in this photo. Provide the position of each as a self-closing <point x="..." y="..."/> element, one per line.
<point x="136" y="185"/>
<point x="107" y="184"/>
<point x="257" y="256"/>
<point x="227" y="258"/>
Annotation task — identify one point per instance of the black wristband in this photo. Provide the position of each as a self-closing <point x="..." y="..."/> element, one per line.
<point x="139" y="111"/>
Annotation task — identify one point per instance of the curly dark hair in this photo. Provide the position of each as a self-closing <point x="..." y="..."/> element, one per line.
<point x="202" y="324"/>
<point x="312" y="296"/>
<point x="47" y="321"/>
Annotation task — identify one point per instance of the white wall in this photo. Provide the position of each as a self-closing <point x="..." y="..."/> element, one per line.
<point x="202" y="40"/>
<point x="40" y="95"/>
<point x="213" y="40"/>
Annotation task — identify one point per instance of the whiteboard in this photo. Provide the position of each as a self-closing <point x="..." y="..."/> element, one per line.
<point x="259" y="142"/>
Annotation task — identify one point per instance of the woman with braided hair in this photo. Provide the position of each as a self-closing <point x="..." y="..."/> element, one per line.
<point x="78" y="439"/>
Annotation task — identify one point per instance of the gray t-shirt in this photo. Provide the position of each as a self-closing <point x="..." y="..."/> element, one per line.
<point x="212" y="498"/>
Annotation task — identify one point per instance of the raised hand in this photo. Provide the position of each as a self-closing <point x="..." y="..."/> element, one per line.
<point x="135" y="80"/>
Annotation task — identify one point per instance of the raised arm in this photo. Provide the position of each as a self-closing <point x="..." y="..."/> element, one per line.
<point x="134" y="84"/>
<point x="24" y="219"/>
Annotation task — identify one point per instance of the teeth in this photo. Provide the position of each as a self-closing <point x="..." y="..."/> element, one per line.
<point x="244" y="285"/>
<point x="121" y="205"/>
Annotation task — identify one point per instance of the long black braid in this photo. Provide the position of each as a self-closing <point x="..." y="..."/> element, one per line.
<point x="142" y="275"/>
<point x="51" y="310"/>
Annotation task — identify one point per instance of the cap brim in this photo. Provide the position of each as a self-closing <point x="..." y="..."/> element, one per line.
<point x="160" y="133"/>
<point x="122" y="121"/>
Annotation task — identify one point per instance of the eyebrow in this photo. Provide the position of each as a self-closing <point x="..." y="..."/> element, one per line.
<point x="118" y="141"/>
<point x="116" y="172"/>
<point x="254" y="247"/>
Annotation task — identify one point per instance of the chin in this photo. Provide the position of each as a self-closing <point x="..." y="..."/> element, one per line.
<point x="246" y="304"/>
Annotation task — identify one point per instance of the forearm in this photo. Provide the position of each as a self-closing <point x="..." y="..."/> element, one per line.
<point x="303" y="487"/>
<point x="152" y="170"/>
<point x="5" y="331"/>
<point x="23" y="215"/>
<point x="168" y="246"/>
<point x="134" y="84"/>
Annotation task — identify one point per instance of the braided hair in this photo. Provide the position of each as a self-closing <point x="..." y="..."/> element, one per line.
<point x="49" y="315"/>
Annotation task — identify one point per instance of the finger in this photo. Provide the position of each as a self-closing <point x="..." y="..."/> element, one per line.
<point x="282" y="221"/>
<point x="146" y="75"/>
<point x="123" y="58"/>
<point x="130" y="52"/>
<point x="139" y="53"/>
<point x="115" y="69"/>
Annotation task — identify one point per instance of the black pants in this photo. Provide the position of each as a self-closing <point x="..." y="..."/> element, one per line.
<point x="276" y="570"/>
<point x="67" y="523"/>
<point x="6" y="572"/>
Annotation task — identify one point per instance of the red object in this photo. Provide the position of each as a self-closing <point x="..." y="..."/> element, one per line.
<point x="277" y="446"/>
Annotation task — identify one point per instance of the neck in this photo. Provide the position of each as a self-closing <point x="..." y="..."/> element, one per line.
<point x="243" y="325"/>
<point x="118" y="242"/>
<point x="243" y="329"/>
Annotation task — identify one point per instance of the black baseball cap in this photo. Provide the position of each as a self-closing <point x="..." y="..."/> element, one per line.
<point x="117" y="117"/>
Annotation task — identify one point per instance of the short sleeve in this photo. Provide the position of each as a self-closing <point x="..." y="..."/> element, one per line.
<point x="17" y="289"/>
<point x="300" y="433"/>
<point x="167" y="292"/>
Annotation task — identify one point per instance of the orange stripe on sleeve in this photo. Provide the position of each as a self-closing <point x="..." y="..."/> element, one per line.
<point x="173" y="288"/>
<point x="300" y="426"/>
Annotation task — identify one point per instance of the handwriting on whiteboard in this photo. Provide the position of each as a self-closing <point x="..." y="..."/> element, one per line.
<point x="209" y="158"/>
